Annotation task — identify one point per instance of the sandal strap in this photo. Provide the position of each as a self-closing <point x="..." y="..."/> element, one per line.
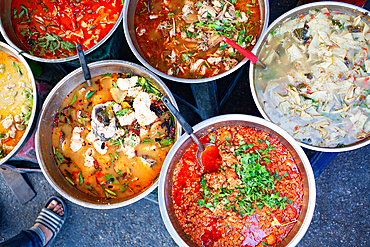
<point x="50" y="220"/>
<point x="39" y="233"/>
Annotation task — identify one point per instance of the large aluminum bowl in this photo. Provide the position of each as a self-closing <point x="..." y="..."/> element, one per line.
<point x="201" y="129"/>
<point x="31" y="125"/>
<point x="7" y="30"/>
<point x="348" y="9"/>
<point x="50" y="107"/>
<point x="129" y="9"/>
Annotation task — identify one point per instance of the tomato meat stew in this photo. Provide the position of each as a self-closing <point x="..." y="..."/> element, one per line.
<point x="254" y="197"/>
<point x="53" y="28"/>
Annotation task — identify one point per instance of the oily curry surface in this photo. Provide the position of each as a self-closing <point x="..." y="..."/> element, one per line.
<point x="53" y="28"/>
<point x="250" y="194"/>
<point x="110" y="139"/>
<point x="183" y="38"/>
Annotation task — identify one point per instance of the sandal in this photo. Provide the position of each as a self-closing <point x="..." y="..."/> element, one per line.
<point x="50" y="220"/>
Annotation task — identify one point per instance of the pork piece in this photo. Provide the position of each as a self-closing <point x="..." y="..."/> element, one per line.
<point x="215" y="180"/>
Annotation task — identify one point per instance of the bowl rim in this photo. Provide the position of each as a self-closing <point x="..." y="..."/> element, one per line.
<point x="38" y="137"/>
<point x="247" y="118"/>
<point x="274" y="25"/>
<point x="60" y="60"/>
<point x="33" y="118"/>
<point x="184" y="80"/>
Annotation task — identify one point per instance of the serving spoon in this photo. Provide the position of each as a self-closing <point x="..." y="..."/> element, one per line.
<point x="85" y="69"/>
<point x="253" y="58"/>
<point x="202" y="147"/>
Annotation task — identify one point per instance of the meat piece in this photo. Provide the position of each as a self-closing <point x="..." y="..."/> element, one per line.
<point x="215" y="180"/>
<point x="76" y="140"/>
<point x="127" y="119"/>
<point x="196" y="65"/>
<point x="214" y="60"/>
<point x="127" y="83"/>
<point x="12" y="131"/>
<point x="89" y="159"/>
<point x="143" y="114"/>
<point x="7" y="122"/>
<point x="100" y="147"/>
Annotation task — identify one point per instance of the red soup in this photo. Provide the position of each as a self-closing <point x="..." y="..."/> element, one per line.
<point x="53" y="28"/>
<point x="253" y="199"/>
<point x="183" y="38"/>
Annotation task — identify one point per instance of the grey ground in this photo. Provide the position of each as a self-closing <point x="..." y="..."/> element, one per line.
<point x="341" y="216"/>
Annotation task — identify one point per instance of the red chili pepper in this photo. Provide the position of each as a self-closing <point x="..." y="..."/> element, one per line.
<point x="326" y="13"/>
<point x="74" y="22"/>
<point x="136" y="131"/>
<point x="366" y="79"/>
<point x="13" y="58"/>
<point x="7" y="139"/>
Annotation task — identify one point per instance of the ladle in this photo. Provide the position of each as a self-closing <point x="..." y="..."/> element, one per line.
<point x="85" y="69"/>
<point x="186" y="126"/>
<point x="253" y="58"/>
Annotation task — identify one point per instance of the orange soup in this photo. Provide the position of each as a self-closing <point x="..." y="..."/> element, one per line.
<point x="110" y="139"/>
<point x="16" y="102"/>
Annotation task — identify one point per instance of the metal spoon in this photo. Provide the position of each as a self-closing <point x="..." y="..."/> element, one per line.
<point x="186" y="126"/>
<point x="85" y="69"/>
<point x="253" y="58"/>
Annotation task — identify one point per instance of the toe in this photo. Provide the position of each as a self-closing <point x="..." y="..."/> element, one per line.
<point x="57" y="207"/>
<point x="52" y="205"/>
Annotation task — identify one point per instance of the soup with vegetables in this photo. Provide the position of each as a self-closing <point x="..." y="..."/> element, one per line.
<point x="250" y="194"/>
<point x="53" y="28"/>
<point x="110" y="139"/>
<point x="16" y="102"/>
<point x="183" y="38"/>
<point x="316" y="85"/>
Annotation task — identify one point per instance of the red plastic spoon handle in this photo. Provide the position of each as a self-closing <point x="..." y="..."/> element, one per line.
<point x="243" y="51"/>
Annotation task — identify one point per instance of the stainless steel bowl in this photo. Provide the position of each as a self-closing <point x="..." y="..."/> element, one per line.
<point x="50" y="107"/>
<point x="348" y="9"/>
<point x="201" y="129"/>
<point x="30" y="127"/>
<point x="128" y="25"/>
<point x="7" y="30"/>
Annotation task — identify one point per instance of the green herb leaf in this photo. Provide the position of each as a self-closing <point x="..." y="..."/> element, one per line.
<point x="90" y="94"/>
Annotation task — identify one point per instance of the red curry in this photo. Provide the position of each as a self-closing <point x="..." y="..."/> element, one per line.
<point x="53" y="28"/>
<point x="253" y="199"/>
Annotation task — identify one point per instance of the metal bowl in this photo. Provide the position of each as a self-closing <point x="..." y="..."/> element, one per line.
<point x="348" y="9"/>
<point x="7" y="30"/>
<point x="30" y="127"/>
<point x="128" y="25"/>
<point x="201" y="129"/>
<point x="50" y="107"/>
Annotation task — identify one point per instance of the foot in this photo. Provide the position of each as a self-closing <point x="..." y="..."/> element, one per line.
<point x="57" y="208"/>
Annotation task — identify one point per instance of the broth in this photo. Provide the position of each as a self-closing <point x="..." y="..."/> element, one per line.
<point x="16" y="102"/>
<point x="53" y="28"/>
<point x="253" y="198"/>
<point x="183" y="38"/>
<point x="316" y="84"/>
<point x="130" y="108"/>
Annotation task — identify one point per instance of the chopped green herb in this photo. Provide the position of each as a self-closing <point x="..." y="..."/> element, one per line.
<point x="90" y="94"/>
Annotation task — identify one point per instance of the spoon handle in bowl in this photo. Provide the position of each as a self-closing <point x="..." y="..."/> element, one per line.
<point x="85" y="69"/>
<point x="185" y="125"/>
